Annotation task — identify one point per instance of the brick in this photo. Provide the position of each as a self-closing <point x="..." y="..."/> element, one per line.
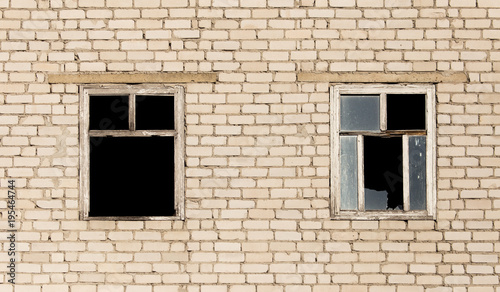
<point x="488" y="3"/>
<point x="258" y="147"/>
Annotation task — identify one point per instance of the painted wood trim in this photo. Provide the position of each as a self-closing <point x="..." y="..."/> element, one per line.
<point x="406" y="174"/>
<point x="386" y="133"/>
<point x="131" y="112"/>
<point x="382" y="215"/>
<point x="132" y="218"/>
<point x="431" y="150"/>
<point x="335" y="151"/>
<point x="383" y="111"/>
<point x="179" y="145"/>
<point x="101" y="78"/>
<point x="178" y="133"/>
<point x="361" y="172"/>
<point x="84" y="155"/>
<point x="431" y="168"/>
<point x="127" y="133"/>
<point x="383" y="88"/>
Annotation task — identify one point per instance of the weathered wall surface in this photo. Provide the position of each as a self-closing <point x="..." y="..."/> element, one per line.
<point x="257" y="144"/>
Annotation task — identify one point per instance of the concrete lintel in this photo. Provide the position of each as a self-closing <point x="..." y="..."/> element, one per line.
<point x="133" y="78"/>
<point x="427" y="77"/>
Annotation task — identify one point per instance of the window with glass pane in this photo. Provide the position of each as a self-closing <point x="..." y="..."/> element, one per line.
<point x="382" y="151"/>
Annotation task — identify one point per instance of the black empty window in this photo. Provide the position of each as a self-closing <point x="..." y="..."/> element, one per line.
<point x="109" y="113"/>
<point x="383" y="175"/>
<point x="405" y="112"/>
<point x="132" y="176"/>
<point x="154" y="112"/>
<point x="132" y="155"/>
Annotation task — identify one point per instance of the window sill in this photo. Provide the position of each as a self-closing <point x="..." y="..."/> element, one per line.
<point x="381" y="215"/>
<point x="132" y="218"/>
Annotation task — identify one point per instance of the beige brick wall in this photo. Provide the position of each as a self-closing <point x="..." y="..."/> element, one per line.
<point x="257" y="145"/>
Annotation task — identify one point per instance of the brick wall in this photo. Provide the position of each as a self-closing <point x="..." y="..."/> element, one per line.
<point x="257" y="145"/>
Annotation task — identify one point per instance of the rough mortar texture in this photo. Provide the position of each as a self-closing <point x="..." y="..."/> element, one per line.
<point x="257" y="143"/>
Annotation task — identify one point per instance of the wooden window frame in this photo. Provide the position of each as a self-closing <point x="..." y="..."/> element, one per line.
<point x="430" y="118"/>
<point x="179" y="142"/>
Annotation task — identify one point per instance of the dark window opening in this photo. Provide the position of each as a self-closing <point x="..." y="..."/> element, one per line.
<point x="154" y="112"/>
<point x="405" y="112"/>
<point x="132" y="176"/>
<point x="383" y="161"/>
<point x="109" y="113"/>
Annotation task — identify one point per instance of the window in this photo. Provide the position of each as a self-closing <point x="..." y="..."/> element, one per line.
<point x="132" y="152"/>
<point x="383" y="157"/>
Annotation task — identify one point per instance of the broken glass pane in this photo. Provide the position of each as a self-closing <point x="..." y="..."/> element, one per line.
<point x="154" y="112"/>
<point x="359" y="113"/>
<point x="132" y="176"/>
<point x="405" y="112"/>
<point x="348" y="173"/>
<point x="383" y="173"/>
<point x="108" y="112"/>
<point x="416" y="147"/>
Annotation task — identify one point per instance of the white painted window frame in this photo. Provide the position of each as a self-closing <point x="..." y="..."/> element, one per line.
<point x="179" y="142"/>
<point x="382" y="90"/>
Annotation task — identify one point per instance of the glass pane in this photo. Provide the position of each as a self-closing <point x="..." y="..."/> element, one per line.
<point x="154" y="113"/>
<point x="359" y="113"/>
<point x="416" y="149"/>
<point x="383" y="173"/>
<point x="132" y="176"/>
<point x="108" y="113"/>
<point x="406" y="112"/>
<point x="348" y="173"/>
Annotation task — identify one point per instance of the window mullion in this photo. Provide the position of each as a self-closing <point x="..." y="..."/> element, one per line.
<point x="131" y="112"/>
<point x="335" y="142"/>
<point x="105" y="137"/>
<point x="85" y="153"/>
<point x="361" y="174"/>
<point x="136" y="133"/>
<point x="383" y="112"/>
<point x="179" y="151"/>
<point x="406" y="169"/>
<point x="406" y="174"/>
